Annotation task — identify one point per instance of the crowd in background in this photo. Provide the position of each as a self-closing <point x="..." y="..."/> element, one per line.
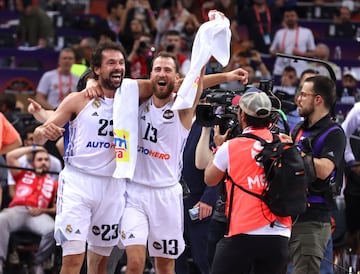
<point x="260" y="30"/>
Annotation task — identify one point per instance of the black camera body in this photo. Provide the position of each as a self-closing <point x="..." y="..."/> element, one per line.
<point x="219" y="110"/>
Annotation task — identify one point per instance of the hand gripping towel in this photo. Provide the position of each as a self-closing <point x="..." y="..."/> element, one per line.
<point x="125" y="123"/>
<point x="212" y="39"/>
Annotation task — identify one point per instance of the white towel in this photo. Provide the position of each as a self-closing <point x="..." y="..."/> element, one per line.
<point x="212" y="39"/>
<point x="125" y="119"/>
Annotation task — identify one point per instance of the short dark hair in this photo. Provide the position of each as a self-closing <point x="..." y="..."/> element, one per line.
<point x="172" y="32"/>
<point x="26" y="3"/>
<point x="325" y="87"/>
<point x="310" y="70"/>
<point x="97" y="54"/>
<point x="112" y="4"/>
<point x="9" y="100"/>
<point x="290" y="69"/>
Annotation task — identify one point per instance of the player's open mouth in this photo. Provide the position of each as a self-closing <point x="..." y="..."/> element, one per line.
<point x="162" y="83"/>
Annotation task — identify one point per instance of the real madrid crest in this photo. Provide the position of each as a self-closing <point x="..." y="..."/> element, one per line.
<point x="123" y="235"/>
<point x="68" y="229"/>
<point x="96" y="103"/>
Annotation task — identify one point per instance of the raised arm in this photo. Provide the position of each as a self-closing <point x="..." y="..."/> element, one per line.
<point x="186" y="115"/>
<point x="39" y="113"/>
<point x="238" y="74"/>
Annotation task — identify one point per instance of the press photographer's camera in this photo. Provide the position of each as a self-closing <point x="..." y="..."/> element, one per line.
<point x="219" y="110"/>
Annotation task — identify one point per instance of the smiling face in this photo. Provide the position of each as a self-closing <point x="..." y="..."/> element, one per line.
<point x="163" y="76"/>
<point x="112" y="69"/>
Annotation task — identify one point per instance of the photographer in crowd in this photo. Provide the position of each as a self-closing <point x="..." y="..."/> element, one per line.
<point x="141" y="56"/>
<point x="256" y="238"/>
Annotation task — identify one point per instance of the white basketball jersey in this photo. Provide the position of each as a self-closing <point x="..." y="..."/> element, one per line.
<point x="90" y="147"/>
<point x="162" y="138"/>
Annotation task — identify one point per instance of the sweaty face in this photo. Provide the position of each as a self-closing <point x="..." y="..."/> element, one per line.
<point x="112" y="70"/>
<point x="305" y="100"/>
<point x="163" y="76"/>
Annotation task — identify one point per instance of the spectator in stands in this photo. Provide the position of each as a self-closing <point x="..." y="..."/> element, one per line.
<point x="56" y="84"/>
<point x="288" y="82"/>
<point x="9" y="140"/>
<point x="225" y="6"/>
<point x="26" y="159"/>
<point x="343" y="27"/>
<point x="285" y="91"/>
<point x="172" y="43"/>
<point x="322" y="52"/>
<point x="79" y="66"/>
<point x="88" y="45"/>
<point x="111" y="23"/>
<point x="128" y="38"/>
<point x="253" y="64"/>
<point x="294" y="40"/>
<point x="35" y="26"/>
<point x="320" y="9"/>
<point x="349" y="92"/>
<point x="142" y="12"/>
<point x="188" y="32"/>
<point x="172" y="16"/>
<point x="140" y="57"/>
<point x="9" y="107"/>
<point x="33" y="205"/>
<point x="260" y="20"/>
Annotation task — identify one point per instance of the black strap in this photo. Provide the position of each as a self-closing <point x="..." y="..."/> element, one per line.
<point x="314" y="134"/>
<point x="261" y="140"/>
<point x="246" y="190"/>
<point x="230" y="208"/>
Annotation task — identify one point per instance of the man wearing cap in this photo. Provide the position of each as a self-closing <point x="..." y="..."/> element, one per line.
<point x="256" y="238"/>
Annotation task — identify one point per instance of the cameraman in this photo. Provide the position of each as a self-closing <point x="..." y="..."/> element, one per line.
<point x="256" y="238"/>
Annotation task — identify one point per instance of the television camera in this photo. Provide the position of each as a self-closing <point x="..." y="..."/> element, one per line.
<point x="221" y="108"/>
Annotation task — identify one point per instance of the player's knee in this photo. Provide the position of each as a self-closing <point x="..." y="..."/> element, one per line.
<point x="135" y="264"/>
<point x="73" y="256"/>
<point x="164" y="265"/>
